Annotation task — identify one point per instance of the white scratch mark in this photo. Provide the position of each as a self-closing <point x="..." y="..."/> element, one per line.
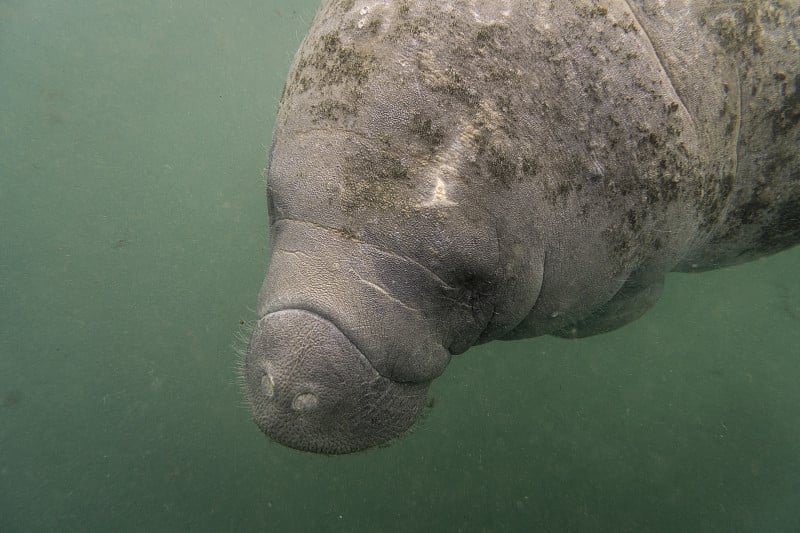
<point x="384" y="292"/>
<point x="439" y="196"/>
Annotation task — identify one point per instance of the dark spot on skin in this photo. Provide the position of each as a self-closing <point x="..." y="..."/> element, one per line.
<point x="336" y="72"/>
<point x="628" y="25"/>
<point x="768" y="214"/>
<point x="378" y="180"/>
<point x="424" y="127"/>
<point x="564" y="188"/>
<point x="449" y="81"/>
<point x="783" y="228"/>
<point x="339" y="63"/>
<point x="742" y="28"/>
<point x="329" y="109"/>
<point x="374" y="26"/>
<point x="303" y="84"/>
<point x="530" y="167"/>
<point x="483" y="36"/>
<point x="788" y="115"/>
<point x="672" y="107"/>
<point x="633" y="220"/>
<point x="750" y="212"/>
<point x="501" y="168"/>
<point x="599" y="10"/>
<point x="488" y="38"/>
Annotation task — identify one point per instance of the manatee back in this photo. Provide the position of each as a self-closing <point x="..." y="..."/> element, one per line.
<point x="736" y="66"/>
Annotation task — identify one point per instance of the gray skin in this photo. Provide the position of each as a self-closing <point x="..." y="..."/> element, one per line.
<point x="447" y="173"/>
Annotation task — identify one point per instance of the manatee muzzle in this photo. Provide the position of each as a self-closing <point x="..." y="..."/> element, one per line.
<point x="310" y="388"/>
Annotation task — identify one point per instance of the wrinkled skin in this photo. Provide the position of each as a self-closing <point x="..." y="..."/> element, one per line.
<point x="449" y="173"/>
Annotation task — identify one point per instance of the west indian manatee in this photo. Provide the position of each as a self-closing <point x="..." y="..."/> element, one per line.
<point x="447" y="173"/>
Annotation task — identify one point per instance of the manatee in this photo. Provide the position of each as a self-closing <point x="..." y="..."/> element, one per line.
<point x="448" y="173"/>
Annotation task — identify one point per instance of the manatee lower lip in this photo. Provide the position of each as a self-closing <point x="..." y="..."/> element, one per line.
<point x="310" y="388"/>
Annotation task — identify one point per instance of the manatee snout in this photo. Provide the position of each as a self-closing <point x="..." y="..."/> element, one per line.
<point x="310" y="388"/>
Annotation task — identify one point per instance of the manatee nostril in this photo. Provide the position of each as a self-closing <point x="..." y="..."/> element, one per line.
<point x="268" y="384"/>
<point x="305" y="401"/>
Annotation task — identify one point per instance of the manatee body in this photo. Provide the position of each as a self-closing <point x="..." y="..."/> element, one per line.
<point x="447" y="173"/>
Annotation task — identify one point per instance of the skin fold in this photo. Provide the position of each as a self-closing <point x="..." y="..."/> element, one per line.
<point x="448" y="173"/>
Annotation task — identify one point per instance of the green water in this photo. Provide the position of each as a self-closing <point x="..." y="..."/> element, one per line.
<point x="132" y="242"/>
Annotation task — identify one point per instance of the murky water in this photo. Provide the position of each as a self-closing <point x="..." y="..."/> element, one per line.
<point x="133" y="241"/>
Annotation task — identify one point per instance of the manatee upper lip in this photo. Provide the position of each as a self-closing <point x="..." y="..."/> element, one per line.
<point x="324" y="316"/>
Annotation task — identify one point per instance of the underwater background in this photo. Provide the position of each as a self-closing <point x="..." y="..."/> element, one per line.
<point x="133" y="241"/>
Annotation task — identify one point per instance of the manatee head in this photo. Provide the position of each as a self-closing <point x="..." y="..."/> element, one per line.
<point x="350" y="334"/>
<point x="369" y="292"/>
<point x="394" y="244"/>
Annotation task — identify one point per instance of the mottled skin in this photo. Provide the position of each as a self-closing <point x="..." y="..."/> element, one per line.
<point x="447" y="173"/>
